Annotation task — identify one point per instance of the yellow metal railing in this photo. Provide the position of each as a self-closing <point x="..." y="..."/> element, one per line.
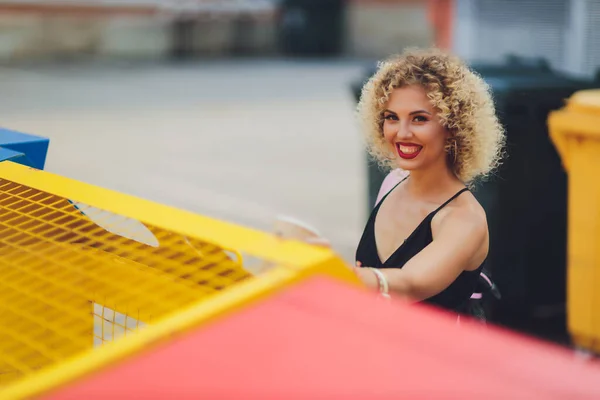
<point x="81" y="266"/>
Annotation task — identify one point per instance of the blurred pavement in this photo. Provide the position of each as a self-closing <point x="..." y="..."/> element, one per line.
<point x="239" y="140"/>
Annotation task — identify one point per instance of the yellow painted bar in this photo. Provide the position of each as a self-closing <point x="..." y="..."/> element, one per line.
<point x="224" y="234"/>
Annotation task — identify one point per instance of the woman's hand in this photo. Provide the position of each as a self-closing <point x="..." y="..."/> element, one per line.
<point x="366" y="276"/>
<point x="318" y="241"/>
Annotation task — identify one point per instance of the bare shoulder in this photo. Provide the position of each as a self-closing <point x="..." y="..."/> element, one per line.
<point x="462" y="225"/>
<point x="464" y="213"/>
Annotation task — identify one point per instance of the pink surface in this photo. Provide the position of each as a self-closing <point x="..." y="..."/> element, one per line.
<point x="323" y="340"/>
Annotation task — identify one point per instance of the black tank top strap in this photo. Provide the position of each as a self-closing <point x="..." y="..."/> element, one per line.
<point x="390" y="191"/>
<point x="450" y="199"/>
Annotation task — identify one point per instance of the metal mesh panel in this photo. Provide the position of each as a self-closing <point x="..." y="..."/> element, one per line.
<point x="73" y="277"/>
<point x="592" y="38"/>
<point x="110" y="325"/>
<point x="489" y="30"/>
<point x="528" y="28"/>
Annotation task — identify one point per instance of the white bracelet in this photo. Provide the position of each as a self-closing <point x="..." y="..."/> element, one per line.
<point x="383" y="283"/>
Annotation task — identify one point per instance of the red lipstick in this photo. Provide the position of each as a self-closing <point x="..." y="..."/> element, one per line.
<point x="408" y="151"/>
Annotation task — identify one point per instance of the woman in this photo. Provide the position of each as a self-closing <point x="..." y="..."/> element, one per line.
<point x="426" y="113"/>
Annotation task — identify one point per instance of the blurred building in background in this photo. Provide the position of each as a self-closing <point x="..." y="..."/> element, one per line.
<point x="158" y="29"/>
<point x="561" y="31"/>
<point x="564" y="32"/>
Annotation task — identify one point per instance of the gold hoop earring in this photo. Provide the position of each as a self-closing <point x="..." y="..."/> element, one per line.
<point x="455" y="151"/>
<point x="452" y="149"/>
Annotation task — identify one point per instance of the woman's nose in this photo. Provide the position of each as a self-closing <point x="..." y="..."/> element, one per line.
<point x="404" y="131"/>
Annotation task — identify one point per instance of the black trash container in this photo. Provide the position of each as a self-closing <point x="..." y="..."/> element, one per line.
<point x="311" y="27"/>
<point x="526" y="205"/>
<point x="526" y="200"/>
<point x="182" y="38"/>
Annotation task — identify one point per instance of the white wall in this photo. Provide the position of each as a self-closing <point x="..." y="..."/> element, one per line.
<point x="39" y="36"/>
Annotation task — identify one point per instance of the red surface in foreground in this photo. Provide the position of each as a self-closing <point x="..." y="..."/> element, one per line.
<point x="323" y="340"/>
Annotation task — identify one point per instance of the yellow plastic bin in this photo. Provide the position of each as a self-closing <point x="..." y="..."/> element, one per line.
<point x="575" y="131"/>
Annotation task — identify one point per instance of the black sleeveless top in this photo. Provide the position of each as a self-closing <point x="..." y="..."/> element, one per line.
<point x="456" y="296"/>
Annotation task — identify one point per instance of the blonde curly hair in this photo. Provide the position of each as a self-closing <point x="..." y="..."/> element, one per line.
<point x="463" y="102"/>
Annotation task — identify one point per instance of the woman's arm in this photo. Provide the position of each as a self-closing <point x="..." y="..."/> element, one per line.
<point x="456" y="247"/>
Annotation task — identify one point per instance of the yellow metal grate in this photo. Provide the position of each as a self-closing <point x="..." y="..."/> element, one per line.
<point x="73" y="277"/>
<point x="84" y="283"/>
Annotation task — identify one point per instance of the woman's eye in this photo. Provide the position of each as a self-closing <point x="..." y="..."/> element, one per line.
<point x="420" y="118"/>
<point x="390" y="117"/>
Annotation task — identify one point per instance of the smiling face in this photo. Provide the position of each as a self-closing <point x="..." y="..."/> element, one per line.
<point x="413" y="131"/>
